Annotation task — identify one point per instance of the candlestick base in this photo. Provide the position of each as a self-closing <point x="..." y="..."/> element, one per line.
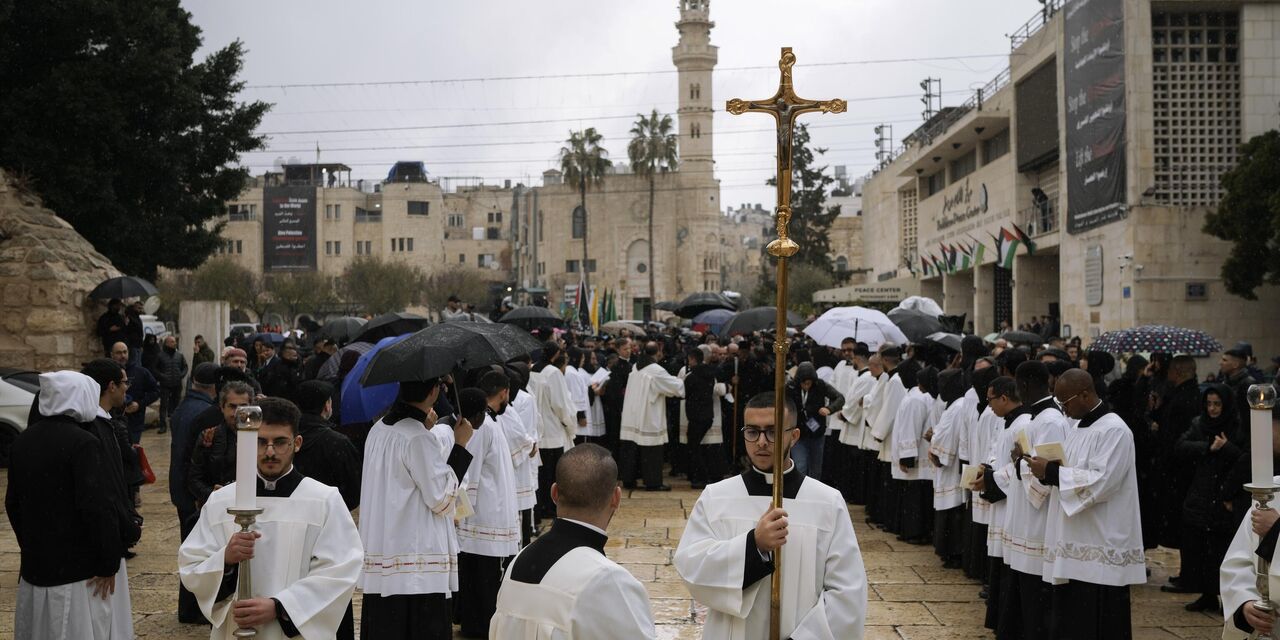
<point x="244" y="585"/>
<point x="1263" y="494"/>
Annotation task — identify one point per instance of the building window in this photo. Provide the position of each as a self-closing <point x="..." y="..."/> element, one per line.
<point x="934" y="183"/>
<point x="964" y="165"/>
<point x="328" y="212"/>
<point x="591" y="266"/>
<point x="571" y="266"/>
<point x="495" y="217"/>
<point x="457" y="220"/>
<point x="995" y="146"/>
<point x="359" y="248"/>
<point x="462" y="258"/>
<point x="492" y="233"/>
<point x="242" y="212"/>
<point x="363" y="215"/>
<point x="239" y="246"/>
<point x="337" y="212"/>
<point x="401" y="244"/>
<point x="908" y="233"/>
<point x="486" y="261"/>
<point x="419" y="208"/>
<point x="579" y="223"/>
<point x="842" y="264"/>
<point x="695" y="130"/>
<point x="1197" y="104"/>
<point x="539" y="226"/>
<point x="337" y="247"/>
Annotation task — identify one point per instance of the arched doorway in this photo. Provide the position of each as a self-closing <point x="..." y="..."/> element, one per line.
<point x="638" y="277"/>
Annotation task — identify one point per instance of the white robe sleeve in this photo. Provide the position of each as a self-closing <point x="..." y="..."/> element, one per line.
<point x="563" y="406"/>
<point x="945" y="442"/>
<point x="1237" y="578"/>
<point x="891" y="397"/>
<point x="613" y="607"/>
<point x="201" y="565"/>
<point x="906" y="434"/>
<point x="435" y="480"/>
<point x="1100" y="475"/>
<point x="841" y="610"/>
<point x="666" y="384"/>
<point x="317" y="602"/>
<point x="713" y="569"/>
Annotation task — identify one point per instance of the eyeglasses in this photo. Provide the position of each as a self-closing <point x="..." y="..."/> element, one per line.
<point x="124" y="383"/>
<point x="278" y="444"/>
<point x="752" y="434"/>
<point x="1062" y="404"/>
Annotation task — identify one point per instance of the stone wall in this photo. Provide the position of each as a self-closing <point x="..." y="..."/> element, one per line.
<point x="46" y="273"/>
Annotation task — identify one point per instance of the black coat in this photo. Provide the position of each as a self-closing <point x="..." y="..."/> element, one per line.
<point x="329" y="457"/>
<point x="820" y="395"/>
<point x="211" y="465"/>
<point x="58" y="505"/>
<point x="279" y="378"/>
<point x="700" y="395"/>
<point x="119" y="495"/>
<point x="1203" y="508"/>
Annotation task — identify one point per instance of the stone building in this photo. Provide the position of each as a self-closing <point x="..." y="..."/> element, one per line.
<point x="1104" y="142"/>
<point x="46" y="273"/>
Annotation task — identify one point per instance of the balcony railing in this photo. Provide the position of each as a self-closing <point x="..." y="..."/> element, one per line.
<point x="1035" y="24"/>
<point x="1039" y="219"/>
<point x="368" y="216"/>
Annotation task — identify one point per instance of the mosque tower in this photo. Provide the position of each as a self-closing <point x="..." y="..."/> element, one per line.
<point x="694" y="58"/>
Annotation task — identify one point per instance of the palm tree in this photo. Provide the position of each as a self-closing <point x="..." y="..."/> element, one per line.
<point x="652" y="150"/>
<point x="584" y="161"/>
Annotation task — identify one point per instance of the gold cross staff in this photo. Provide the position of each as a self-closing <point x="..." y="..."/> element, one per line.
<point x="784" y="106"/>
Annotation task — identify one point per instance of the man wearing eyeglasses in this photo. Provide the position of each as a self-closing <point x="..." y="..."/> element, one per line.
<point x="726" y="552"/>
<point x="305" y="549"/>
<point x="1093" y="533"/>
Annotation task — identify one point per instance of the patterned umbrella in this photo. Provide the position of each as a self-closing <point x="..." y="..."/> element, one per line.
<point x="1157" y="337"/>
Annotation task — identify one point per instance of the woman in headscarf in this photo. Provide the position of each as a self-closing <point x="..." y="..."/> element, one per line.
<point x="1212" y="444"/>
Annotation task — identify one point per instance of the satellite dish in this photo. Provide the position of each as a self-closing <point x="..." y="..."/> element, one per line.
<point x="151" y="305"/>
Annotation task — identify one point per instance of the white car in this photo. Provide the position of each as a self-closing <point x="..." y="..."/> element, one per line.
<point x="17" y="391"/>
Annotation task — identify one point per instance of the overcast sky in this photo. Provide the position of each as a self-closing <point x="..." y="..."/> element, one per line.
<point x="475" y="43"/>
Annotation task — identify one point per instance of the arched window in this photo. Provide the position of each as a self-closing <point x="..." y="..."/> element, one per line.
<point x="693" y="91"/>
<point x="579" y="222"/>
<point x="842" y="264"/>
<point x="697" y="91"/>
<point x="695" y="130"/>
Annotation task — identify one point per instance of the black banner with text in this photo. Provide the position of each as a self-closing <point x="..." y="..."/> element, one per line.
<point x="1094" y="84"/>
<point x="288" y="228"/>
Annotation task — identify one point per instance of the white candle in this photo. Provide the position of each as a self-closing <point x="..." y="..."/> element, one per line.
<point x="1261" y="399"/>
<point x="247" y="457"/>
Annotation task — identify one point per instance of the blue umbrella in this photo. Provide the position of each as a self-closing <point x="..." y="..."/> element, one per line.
<point x="715" y="319"/>
<point x="363" y="404"/>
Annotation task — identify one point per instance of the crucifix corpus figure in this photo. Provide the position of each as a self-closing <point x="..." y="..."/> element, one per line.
<point x="736" y="533"/>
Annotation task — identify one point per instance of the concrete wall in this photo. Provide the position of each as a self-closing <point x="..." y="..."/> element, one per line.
<point x="208" y="318"/>
<point x="1260" y="72"/>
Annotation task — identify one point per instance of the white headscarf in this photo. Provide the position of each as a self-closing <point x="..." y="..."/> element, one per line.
<point x="69" y="393"/>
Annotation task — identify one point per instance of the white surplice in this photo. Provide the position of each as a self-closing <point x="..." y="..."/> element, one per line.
<point x="1093" y="532"/>
<point x="854" y="412"/>
<point x="526" y="408"/>
<point x="908" y="436"/>
<point x="578" y="382"/>
<point x="1238" y="576"/>
<point x="981" y="436"/>
<point x="557" y="417"/>
<point x="998" y="457"/>
<point x="888" y="399"/>
<point x="72" y="612"/>
<point x="1022" y="540"/>
<point x="644" y="407"/>
<point x="494" y="527"/>
<point x="308" y="558"/>
<point x="519" y="447"/>
<point x="824" y="584"/>
<point x="945" y="445"/>
<point x="595" y="415"/>
<point x="714" y="435"/>
<point x="841" y="379"/>
<point x="407" y="496"/>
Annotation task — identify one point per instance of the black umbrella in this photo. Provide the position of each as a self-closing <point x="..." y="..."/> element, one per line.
<point x="123" y="287"/>
<point x="951" y="341"/>
<point x="531" y="317"/>
<point x="1022" y="337"/>
<point x="342" y="330"/>
<point x="917" y="325"/>
<point x="391" y="324"/>
<point x="666" y="306"/>
<point x="443" y="348"/>
<point x="696" y="303"/>
<point x="757" y="319"/>
<point x="468" y="317"/>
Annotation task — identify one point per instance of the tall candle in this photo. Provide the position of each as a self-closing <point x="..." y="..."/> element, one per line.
<point x="1261" y="399"/>
<point x="247" y="421"/>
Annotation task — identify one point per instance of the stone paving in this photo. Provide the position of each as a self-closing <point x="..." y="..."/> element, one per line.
<point x="912" y="596"/>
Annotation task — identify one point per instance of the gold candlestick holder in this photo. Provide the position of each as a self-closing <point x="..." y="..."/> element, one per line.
<point x="1262" y="496"/>
<point x="244" y="578"/>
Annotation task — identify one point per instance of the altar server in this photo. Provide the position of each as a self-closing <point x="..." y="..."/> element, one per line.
<point x="644" y="419"/>
<point x="910" y="458"/>
<point x="562" y="587"/>
<point x="1255" y="538"/>
<point x="725" y="555"/>
<point x="304" y="550"/>
<point x="886" y="494"/>
<point x="944" y="452"/>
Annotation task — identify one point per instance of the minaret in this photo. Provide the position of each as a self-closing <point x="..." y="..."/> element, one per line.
<point x="694" y="58"/>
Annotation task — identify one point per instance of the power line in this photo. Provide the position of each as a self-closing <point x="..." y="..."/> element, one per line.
<point x="605" y="74"/>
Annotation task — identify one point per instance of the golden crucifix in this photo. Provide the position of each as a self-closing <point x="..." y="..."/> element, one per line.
<point x="784" y="106"/>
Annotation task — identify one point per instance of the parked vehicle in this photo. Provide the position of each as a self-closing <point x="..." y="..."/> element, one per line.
<point x="18" y="388"/>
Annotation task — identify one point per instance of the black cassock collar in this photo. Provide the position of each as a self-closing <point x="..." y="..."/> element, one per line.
<point x="281" y="487"/>
<point x="532" y="565"/>
<point x="1094" y="415"/>
<point x="760" y="483"/>
<point x="1040" y="405"/>
<point x="1013" y="415"/>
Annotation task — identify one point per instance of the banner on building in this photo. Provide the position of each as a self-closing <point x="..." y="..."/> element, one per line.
<point x="1094" y="84"/>
<point x="289" y="228"/>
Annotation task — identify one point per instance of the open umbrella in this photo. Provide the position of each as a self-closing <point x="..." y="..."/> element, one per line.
<point x="696" y="303"/>
<point x="342" y="330"/>
<point x="1023" y="337"/>
<point x="714" y="319"/>
<point x="332" y="367"/>
<point x="951" y="341"/>
<point x="757" y="319"/>
<point x="442" y="348"/>
<point x="666" y="306"/>
<point x="361" y="403"/>
<point x="123" y="287"/>
<point x="916" y="325"/>
<point x="469" y="317"/>
<point x="615" y="328"/>
<point x="391" y="324"/>
<point x="531" y="317"/>
<point x="1156" y="337"/>
<point x="860" y="323"/>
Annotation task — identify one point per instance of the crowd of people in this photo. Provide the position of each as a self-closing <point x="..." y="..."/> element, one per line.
<point x="1044" y="471"/>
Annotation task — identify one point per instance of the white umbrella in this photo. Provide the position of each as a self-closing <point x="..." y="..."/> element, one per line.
<point x="860" y="323"/>
<point x="921" y="304"/>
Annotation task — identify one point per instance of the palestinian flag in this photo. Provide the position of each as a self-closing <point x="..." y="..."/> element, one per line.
<point x="966" y="258"/>
<point x="1025" y="239"/>
<point x="939" y="267"/>
<point x="924" y="266"/>
<point x="978" y="250"/>
<point x="1006" y="248"/>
